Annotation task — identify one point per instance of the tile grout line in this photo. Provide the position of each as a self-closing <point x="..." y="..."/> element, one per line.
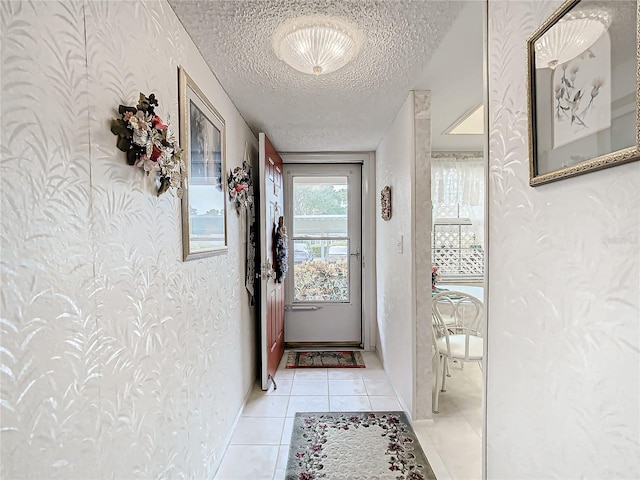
<point x="283" y="448"/>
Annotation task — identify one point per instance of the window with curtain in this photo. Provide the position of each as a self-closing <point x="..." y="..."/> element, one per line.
<point x="457" y="193"/>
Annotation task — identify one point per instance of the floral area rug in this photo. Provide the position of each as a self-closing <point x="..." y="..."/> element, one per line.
<point x="355" y="445"/>
<point x="328" y="359"/>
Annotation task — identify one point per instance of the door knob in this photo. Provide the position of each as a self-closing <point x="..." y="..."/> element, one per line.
<point x="357" y="254"/>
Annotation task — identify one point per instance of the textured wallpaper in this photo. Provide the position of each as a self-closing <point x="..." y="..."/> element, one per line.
<point x="117" y="359"/>
<point x="395" y="306"/>
<point x="402" y="162"/>
<point x="564" y="293"/>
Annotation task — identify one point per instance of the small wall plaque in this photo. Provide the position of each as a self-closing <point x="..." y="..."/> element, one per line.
<point x="385" y="202"/>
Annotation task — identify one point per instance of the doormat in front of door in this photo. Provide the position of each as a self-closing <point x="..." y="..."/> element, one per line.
<point x="355" y="445"/>
<point x="326" y="359"/>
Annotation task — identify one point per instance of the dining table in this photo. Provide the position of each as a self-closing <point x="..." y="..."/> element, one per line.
<point x="475" y="290"/>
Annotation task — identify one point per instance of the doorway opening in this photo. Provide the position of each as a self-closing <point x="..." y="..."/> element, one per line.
<point x="458" y="230"/>
<point x="324" y="287"/>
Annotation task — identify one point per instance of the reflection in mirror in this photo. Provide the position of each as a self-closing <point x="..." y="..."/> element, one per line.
<point x="583" y="89"/>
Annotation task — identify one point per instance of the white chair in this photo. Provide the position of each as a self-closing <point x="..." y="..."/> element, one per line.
<point x="457" y="333"/>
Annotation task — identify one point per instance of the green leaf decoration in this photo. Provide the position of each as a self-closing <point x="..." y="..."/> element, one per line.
<point x="122" y="109"/>
<point x="164" y="185"/>
<point x="119" y="127"/>
<point x="123" y="144"/>
<point x="131" y="157"/>
<point x="143" y="103"/>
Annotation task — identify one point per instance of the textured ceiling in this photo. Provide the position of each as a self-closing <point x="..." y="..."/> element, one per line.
<point x="622" y="14"/>
<point x="348" y="110"/>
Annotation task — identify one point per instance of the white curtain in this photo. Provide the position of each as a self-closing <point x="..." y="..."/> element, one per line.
<point x="457" y="185"/>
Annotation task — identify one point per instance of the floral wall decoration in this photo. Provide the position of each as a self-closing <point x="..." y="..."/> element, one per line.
<point x="385" y="203"/>
<point x="149" y="143"/>
<point x="240" y="187"/>
<point x="281" y="251"/>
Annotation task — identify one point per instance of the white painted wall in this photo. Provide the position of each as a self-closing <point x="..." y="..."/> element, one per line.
<point x="564" y="293"/>
<point x="454" y="75"/>
<point x="118" y="359"/>
<point x="404" y="345"/>
<point x="395" y="297"/>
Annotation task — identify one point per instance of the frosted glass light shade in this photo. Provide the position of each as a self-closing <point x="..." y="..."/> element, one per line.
<point x="316" y="47"/>
<point x="570" y="37"/>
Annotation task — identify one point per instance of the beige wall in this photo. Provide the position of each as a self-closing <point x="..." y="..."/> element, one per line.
<point x="564" y="293"/>
<point x="118" y="359"/>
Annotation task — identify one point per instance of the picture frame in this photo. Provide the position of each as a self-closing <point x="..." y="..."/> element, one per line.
<point x="202" y="136"/>
<point x="385" y="203"/>
<point x="584" y="103"/>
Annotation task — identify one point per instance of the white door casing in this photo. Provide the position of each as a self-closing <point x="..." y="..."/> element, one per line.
<point x="332" y="247"/>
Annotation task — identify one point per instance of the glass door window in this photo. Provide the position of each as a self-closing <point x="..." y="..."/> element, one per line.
<point x="320" y="239"/>
<point x="324" y="283"/>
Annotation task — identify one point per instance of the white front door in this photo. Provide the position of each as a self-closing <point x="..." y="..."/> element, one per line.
<point x="324" y="285"/>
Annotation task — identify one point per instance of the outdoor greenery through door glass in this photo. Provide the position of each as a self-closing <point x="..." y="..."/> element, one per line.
<point x="320" y="239"/>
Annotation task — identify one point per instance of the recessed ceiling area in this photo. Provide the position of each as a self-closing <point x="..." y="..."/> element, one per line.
<point x="470" y="124"/>
<point x="406" y="45"/>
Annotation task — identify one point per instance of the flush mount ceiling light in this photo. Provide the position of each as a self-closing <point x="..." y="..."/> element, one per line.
<point x="316" y="45"/>
<point x="570" y="37"/>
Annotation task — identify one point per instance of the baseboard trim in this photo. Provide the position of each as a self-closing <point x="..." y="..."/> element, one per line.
<point x="322" y="345"/>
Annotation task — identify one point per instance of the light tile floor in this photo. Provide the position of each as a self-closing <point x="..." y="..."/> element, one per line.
<point x="454" y="436"/>
<point x="260" y="442"/>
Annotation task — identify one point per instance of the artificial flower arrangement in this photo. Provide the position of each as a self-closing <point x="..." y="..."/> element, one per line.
<point x="240" y="191"/>
<point x="149" y="143"/>
<point x="435" y="277"/>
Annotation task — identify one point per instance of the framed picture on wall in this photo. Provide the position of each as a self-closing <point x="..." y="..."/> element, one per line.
<point x="584" y="90"/>
<point x="202" y="135"/>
